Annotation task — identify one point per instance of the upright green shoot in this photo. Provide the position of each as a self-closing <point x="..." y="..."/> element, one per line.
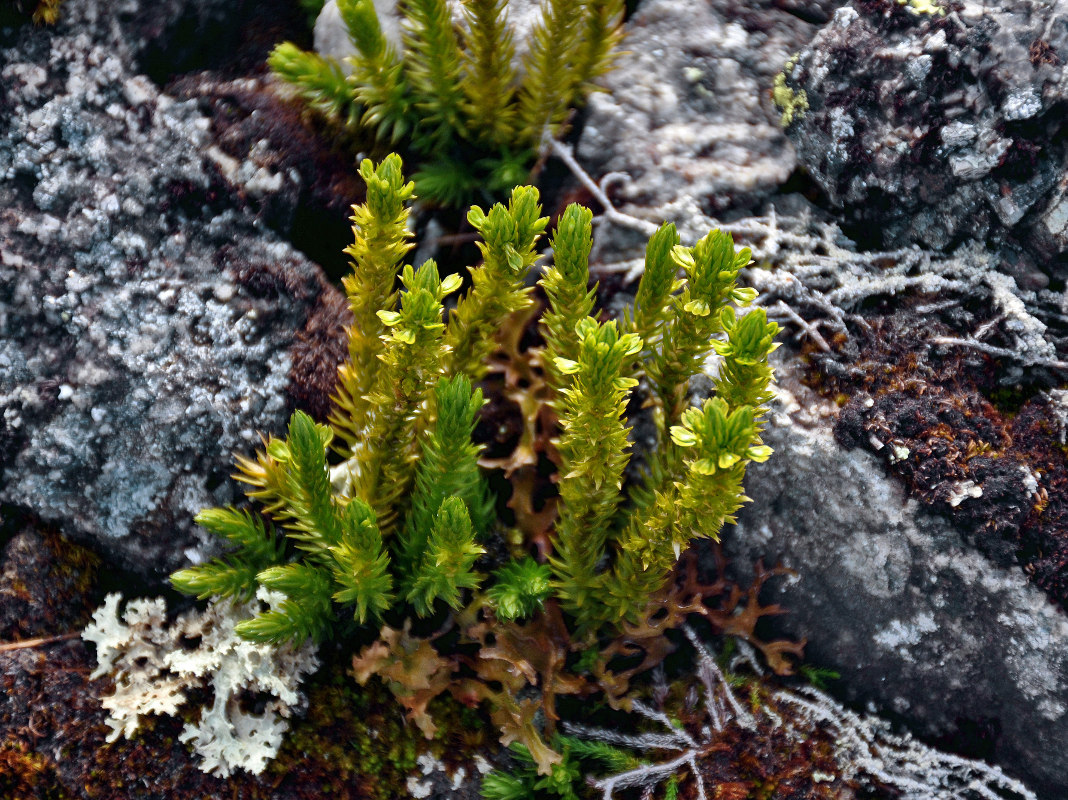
<point x="593" y="453"/>
<point x="498" y="286"/>
<point x="476" y="115"/>
<point x="380" y="241"/>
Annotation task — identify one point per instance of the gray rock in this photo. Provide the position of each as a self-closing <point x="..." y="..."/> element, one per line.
<point x="146" y="324"/>
<point x="935" y="129"/>
<point x="688" y="111"/>
<point x="917" y="622"/>
<point x="296" y="180"/>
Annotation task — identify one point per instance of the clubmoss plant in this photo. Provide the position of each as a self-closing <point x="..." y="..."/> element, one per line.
<point x="455" y="94"/>
<point x="312" y="9"/>
<point x="383" y="514"/>
<point x="400" y="518"/>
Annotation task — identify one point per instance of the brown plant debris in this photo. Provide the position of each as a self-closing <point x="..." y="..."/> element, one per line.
<point x="519" y="670"/>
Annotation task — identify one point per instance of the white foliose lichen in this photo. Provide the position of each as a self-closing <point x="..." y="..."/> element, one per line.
<point x="155" y="662"/>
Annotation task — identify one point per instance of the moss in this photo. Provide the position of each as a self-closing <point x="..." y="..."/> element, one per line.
<point x="355" y="741"/>
<point x="47" y="583"/>
<point x="25" y="775"/>
<point x="1008" y="400"/>
<point x="942" y="420"/>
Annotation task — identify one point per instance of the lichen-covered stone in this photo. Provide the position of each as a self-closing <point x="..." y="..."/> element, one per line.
<point x="936" y="128"/>
<point x="293" y="175"/>
<point x="146" y="322"/>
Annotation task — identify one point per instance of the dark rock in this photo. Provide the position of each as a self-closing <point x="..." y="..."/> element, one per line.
<point x="320" y="346"/>
<point x="816" y="12"/>
<point x="174" y="36"/>
<point x="940" y="128"/>
<point x="146" y="322"/>
<point x="159" y="39"/>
